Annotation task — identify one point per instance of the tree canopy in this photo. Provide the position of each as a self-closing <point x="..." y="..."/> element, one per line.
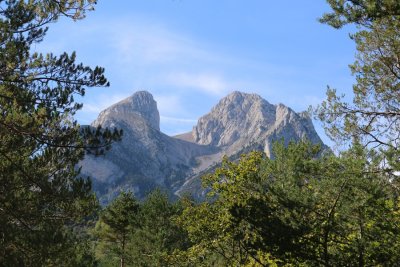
<point x="361" y="12"/>
<point x="298" y="209"/>
<point x="373" y="116"/>
<point x="41" y="191"/>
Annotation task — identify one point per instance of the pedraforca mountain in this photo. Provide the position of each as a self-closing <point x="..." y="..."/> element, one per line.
<point x="241" y="119"/>
<point x="146" y="158"/>
<point x="141" y="104"/>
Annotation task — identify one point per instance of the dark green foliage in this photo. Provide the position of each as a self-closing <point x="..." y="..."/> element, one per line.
<point x="373" y="116"/>
<point x="157" y="235"/>
<point x="142" y="234"/>
<point x="297" y="209"/>
<point x="116" y="223"/>
<point x="42" y="195"/>
<point x="362" y="12"/>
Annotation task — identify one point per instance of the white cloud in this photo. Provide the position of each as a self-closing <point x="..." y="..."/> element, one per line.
<point x="179" y="70"/>
<point x="169" y="105"/>
<point x="206" y="82"/>
<point x="101" y="102"/>
<point x="151" y="43"/>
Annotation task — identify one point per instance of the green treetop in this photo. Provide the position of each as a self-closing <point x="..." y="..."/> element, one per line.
<point x="298" y="209"/>
<point x="361" y="12"/>
<point x="114" y="227"/>
<point x="41" y="192"/>
<point x="373" y="117"/>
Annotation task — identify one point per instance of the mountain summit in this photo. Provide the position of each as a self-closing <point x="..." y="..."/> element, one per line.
<point x="237" y="116"/>
<point x="140" y="104"/>
<point x="240" y="119"/>
<point x="146" y="158"/>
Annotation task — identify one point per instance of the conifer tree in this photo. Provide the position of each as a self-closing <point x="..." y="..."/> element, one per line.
<point x="157" y="234"/>
<point x="42" y="194"/>
<point x="116" y="223"/>
<point x="373" y="117"/>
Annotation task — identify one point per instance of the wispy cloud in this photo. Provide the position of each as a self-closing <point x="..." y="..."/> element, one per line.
<point x="97" y="103"/>
<point x="185" y="74"/>
<point x="209" y="83"/>
<point x="170" y="105"/>
<point x="151" y="43"/>
<point x="150" y="54"/>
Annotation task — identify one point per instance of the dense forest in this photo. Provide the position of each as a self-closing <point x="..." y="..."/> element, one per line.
<point x="301" y="207"/>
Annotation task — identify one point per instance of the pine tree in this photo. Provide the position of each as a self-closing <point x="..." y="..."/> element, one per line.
<point x="373" y="117"/>
<point x="42" y="195"/>
<point x="114" y="227"/>
<point x="157" y="234"/>
<point x="361" y="12"/>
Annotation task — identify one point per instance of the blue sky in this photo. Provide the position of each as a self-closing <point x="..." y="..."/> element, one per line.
<point x="191" y="53"/>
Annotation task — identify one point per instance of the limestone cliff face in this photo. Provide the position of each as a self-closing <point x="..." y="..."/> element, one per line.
<point x="146" y="158"/>
<point x="140" y="106"/>
<point x="241" y="119"/>
<point x="237" y="116"/>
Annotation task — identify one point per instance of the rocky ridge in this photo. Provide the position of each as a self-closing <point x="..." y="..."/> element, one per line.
<point x="146" y="158"/>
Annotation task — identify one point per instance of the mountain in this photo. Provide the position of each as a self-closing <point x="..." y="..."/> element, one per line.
<point x="146" y="158"/>
<point x="240" y="119"/>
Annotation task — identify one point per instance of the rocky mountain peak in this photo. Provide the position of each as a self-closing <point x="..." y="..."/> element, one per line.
<point x="238" y="115"/>
<point x="238" y="99"/>
<point x="140" y="104"/>
<point x="146" y="158"/>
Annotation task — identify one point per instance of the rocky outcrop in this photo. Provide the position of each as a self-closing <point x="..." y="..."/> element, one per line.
<point x="140" y="106"/>
<point x="241" y="119"/>
<point x="237" y="116"/>
<point x="240" y="123"/>
<point x="146" y="158"/>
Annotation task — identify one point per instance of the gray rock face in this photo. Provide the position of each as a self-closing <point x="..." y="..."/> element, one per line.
<point x="241" y="119"/>
<point x="237" y="116"/>
<point x="146" y="158"/>
<point x="139" y="104"/>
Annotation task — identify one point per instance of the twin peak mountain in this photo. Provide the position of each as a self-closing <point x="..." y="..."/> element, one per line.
<point x="146" y="158"/>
